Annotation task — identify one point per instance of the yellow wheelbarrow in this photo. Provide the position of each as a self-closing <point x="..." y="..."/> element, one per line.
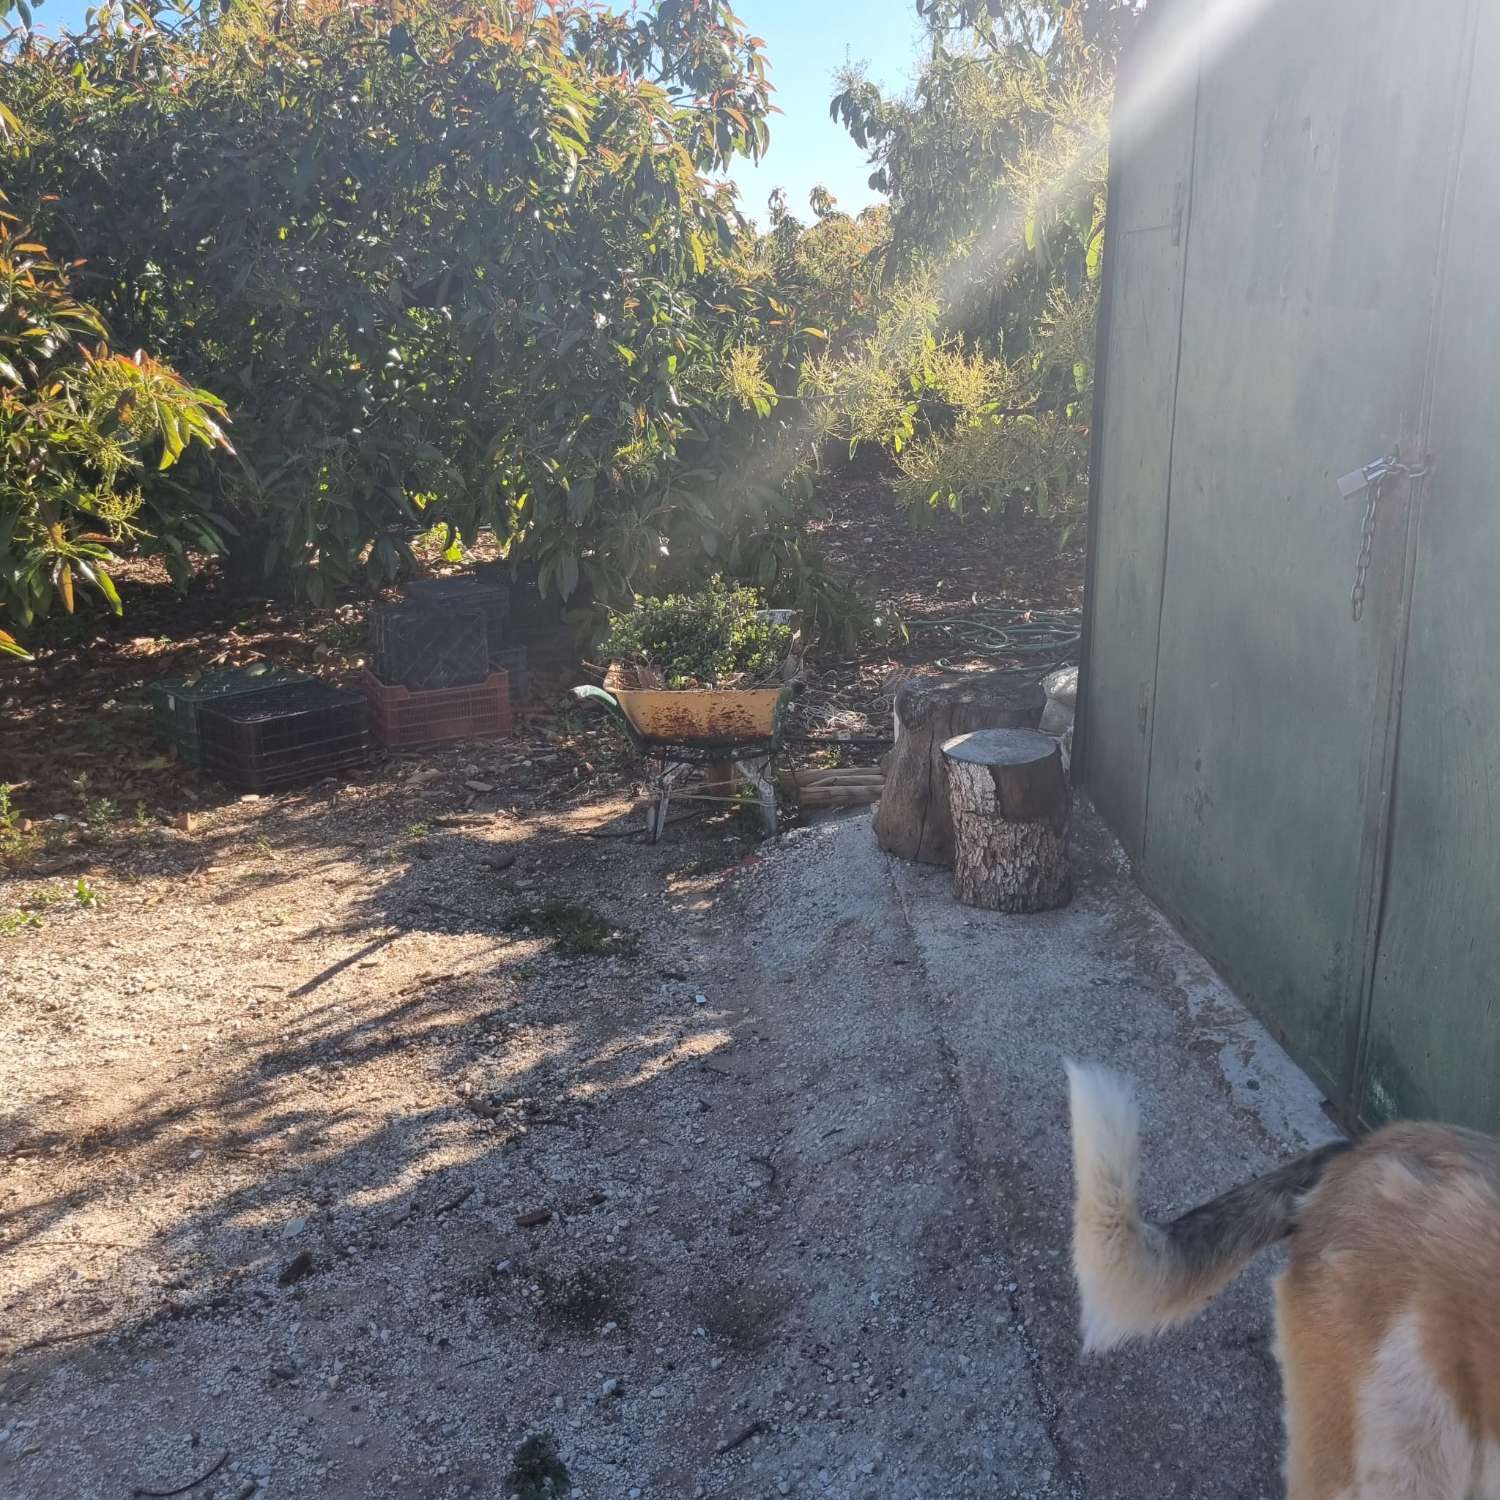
<point x="723" y="730"/>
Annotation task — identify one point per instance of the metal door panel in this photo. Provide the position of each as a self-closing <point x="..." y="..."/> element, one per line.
<point x="1433" y="1039"/>
<point x="1304" y="343"/>
<point x="1150" y="177"/>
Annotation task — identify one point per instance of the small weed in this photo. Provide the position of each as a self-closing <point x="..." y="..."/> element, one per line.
<point x="576" y="931"/>
<point x="99" y="813"/>
<point x="415" y="831"/>
<point x="144" y="822"/>
<point x="17" y="842"/>
<point x="85" y="895"/>
<point x="263" y="848"/>
<point x="29" y="913"/>
<point x="536" y="1472"/>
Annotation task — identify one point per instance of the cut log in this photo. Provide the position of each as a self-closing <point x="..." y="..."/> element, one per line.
<point x="1008" y="795"/>
<point x="913" y="819"/>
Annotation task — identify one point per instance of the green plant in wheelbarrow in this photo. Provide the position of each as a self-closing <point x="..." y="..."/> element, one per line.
<point x="700" y="679"/>
<point x="718" y="637"/>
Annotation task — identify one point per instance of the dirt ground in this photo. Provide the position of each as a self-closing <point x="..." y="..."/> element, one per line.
<point x="427" y="1134"/>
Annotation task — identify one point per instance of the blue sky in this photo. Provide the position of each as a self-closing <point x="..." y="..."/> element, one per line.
<point x="806" y="41"/>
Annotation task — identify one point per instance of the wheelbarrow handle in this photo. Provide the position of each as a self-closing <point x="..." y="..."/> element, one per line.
<point x="588" y="693"/>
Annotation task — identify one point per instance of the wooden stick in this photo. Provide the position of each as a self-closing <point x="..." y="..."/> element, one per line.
<point x="839" y="796"/>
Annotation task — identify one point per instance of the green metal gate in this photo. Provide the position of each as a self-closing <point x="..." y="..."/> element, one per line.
<point x="1298" y="214"/>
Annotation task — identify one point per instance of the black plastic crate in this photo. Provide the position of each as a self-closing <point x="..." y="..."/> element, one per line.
<point x="415" y="646"/>
<point x="285" y="736"/>
<point x="489" y="594"/>
<point x="176" y="702"/>
<point x="533" y="614"/>
<point x="512" y="661"/>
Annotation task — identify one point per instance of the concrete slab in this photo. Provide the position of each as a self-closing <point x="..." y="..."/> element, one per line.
<point x="952" y="1025"/>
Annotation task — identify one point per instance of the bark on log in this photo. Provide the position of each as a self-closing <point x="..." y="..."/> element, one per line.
<point x="913" y="819"/>
<point x="1009" y="798"/>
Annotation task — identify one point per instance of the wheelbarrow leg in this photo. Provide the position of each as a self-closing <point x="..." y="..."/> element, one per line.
<point x="661" y="797"/>
<point x="656" y="809"/>
<point x="758" y="774"/>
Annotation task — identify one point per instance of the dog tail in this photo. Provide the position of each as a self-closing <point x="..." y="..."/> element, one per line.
<point x="1135" y="1278"/>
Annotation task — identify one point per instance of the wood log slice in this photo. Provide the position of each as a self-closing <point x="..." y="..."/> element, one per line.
<point x="1009" y="799"/>
<point x="913" y="819"/>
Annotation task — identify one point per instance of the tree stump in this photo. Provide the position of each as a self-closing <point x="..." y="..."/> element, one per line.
<point x="913" y="819"/>
<point x="1009" y="798"/>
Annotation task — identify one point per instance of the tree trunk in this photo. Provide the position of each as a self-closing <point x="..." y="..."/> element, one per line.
<point x="913" y="818"/>
<point x="1011" y="806"/>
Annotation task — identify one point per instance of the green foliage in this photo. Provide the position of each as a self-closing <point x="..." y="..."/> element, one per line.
<point x="713" y="638"/>
<point x="996" y="169"/>
<point x="78" y="426"/>
<point x="19" y="920"/>
<point x="1002" y="438"/>
<point x="472" y="266"/>
<point x="830" y="272"/>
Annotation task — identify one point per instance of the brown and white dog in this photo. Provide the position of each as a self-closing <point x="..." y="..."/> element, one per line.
<point x="1387" y="1316"/>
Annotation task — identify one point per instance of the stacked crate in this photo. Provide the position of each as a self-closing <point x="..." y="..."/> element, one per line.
<point x="284" y="736"/>
<point x="489" y="592"/>
<point x="435" y="673"/>
<point x="404" y="718"/>
<point x="178" y="702"/>
<point x="427" y="649"/>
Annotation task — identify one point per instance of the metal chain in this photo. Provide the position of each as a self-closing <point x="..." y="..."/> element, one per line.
<point x="1366" y="546"/>
<point x="1391" y="469"/>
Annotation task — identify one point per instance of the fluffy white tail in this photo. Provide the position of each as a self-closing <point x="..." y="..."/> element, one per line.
<point x="1119" y="1259"/>
<point x="1136" y="1279"/>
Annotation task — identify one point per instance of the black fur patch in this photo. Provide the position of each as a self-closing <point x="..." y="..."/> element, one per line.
<point x="1250" y="1218"/>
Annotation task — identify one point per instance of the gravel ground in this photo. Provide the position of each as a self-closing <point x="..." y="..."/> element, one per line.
<point x="328" y="1172"/>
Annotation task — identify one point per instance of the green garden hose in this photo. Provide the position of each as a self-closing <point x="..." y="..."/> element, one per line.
<point x="1001" y="633"/>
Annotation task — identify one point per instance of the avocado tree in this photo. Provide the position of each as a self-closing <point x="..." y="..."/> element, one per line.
<point x="462" y="261"/>
<point x="81" y="429"/>
<point x="995" y="166"/>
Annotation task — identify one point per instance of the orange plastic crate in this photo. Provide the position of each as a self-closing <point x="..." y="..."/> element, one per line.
<point x="405" y="717"/>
